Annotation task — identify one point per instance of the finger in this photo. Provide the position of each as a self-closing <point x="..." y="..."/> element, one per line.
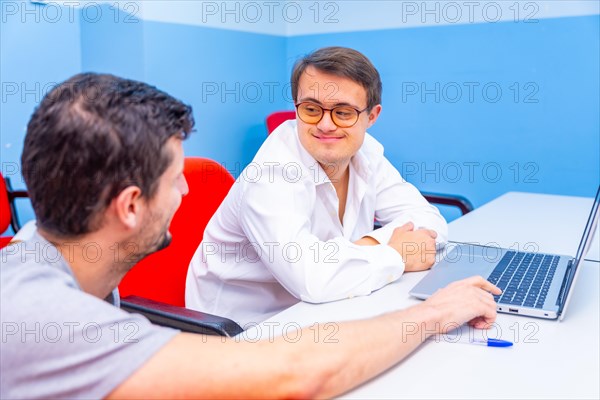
<point x="484" y="306"/>
<point x="484" y="295"/>
<point x="475" y="322"/>
<point x="407" y="227"/>
<point x="429" y="232"/>
<point x="488" y="300"/>
<point x="483" y="321"/>
<point x="484" y="284"/>
<point x="480" y="323"/>
<point x="489" y="321"/>
<point x="432" y="233"/>
<point x="490" y="313"/>
<point x="490" y="287"/>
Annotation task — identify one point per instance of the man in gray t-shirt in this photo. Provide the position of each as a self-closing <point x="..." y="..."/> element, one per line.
<point x="103" y="163"/>
<point x="58" y="341"/>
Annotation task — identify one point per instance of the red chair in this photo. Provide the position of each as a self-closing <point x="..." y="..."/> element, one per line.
<point x="155" y="287"/>
<point x="8" y="210"/>
<point x="462" y="203"/>
<point x="277" y="118"/>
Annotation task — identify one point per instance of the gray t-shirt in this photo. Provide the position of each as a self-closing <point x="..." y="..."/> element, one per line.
<point x="58" y="341"/>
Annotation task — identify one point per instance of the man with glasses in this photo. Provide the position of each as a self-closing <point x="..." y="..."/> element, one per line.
<point x="298" y="223"/>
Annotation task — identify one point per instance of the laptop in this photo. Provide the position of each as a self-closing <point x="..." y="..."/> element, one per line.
<point x="533" y="284"/>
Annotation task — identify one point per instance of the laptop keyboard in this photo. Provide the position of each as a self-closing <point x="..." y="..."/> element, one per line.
<point x="524" y="278"/>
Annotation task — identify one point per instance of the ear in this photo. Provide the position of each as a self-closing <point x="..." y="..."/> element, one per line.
<point x="374" y="114"/>
<point x="128" y="206"/>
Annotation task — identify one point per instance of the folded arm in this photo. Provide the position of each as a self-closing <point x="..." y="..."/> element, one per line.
<point x="277" y="219"/>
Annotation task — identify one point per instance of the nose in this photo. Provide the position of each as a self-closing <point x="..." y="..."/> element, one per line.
<point x="184" y="188"/>
<point x="326" y="123"/>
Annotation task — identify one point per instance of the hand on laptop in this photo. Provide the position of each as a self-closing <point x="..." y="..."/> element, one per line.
<point x="469" y="300"/>
<point x="416" y="246"/>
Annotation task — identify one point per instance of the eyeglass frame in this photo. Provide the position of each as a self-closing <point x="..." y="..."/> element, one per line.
<point x="358" y="112"/>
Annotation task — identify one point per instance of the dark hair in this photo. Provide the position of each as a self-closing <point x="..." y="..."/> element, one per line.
<point x="341" y="61"/>
<point x="90" y="138"/>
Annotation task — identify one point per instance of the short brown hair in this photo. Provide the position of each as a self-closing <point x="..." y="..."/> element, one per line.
<point x="90" y="138"/>
<point x="341" y="61"/>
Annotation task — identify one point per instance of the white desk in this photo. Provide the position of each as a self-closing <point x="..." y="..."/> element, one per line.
<point x="515" y="220"/>
<point x="548" y="360"/>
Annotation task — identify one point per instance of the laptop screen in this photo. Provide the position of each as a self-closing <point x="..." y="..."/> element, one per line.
<point x="584" y="246"/>
<point x="588" y="233"/>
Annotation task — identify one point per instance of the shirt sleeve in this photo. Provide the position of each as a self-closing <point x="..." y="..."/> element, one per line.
<point x="276" y="217"/>
<point x="399" y="202"/>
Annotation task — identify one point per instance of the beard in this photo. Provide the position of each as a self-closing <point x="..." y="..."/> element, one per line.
<point x="146" y="243"/>
<point x="152" y="245"/>
<point x="164" y="241"/>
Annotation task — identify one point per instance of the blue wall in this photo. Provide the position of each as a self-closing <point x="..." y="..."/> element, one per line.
<point x="233" y="80"/>
<point x="37" y="51"/>
<point x="542" y="133"/>
<point x="112" y="42"/>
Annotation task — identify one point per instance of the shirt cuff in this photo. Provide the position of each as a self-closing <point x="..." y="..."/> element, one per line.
<point x="387" y="256"/>
<point x="383" y="234"/>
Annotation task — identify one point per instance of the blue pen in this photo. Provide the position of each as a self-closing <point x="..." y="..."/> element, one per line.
<point x="490" y="342"/>
<point x="480" y="342"/>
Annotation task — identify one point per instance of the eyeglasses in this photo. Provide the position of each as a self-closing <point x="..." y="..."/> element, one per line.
<point x="342" y="116"/>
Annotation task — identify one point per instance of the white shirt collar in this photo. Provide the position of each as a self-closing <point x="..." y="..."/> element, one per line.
<point x="359" y="162"/>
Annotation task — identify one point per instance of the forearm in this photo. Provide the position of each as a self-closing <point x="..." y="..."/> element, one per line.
<point x="319" y="364"/>
<point x="197" y="366"/>
<point x="335" y="269"/>
<point x="360" y="350"/>
<point x="322" y="363"/>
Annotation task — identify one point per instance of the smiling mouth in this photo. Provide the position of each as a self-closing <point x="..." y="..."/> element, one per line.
<point x="328" y="139"/>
